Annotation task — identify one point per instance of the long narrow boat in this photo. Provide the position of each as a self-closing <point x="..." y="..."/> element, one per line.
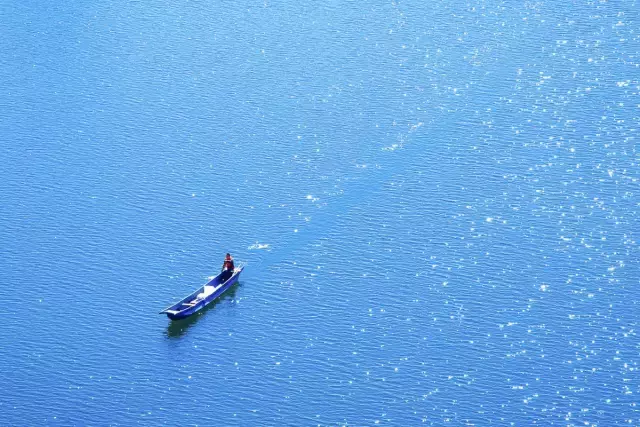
<point x="202" y="297"/>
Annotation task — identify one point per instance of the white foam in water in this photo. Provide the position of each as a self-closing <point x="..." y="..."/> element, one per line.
<point x="258" y="246"/>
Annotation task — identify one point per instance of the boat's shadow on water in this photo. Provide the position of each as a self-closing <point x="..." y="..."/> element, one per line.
<point x="177" y="328"/>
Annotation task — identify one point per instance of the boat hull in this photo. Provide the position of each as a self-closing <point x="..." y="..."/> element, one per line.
<point x="204" y="296"/>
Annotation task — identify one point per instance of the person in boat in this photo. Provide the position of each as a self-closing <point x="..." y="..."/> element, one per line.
<point x="227" y="268"/>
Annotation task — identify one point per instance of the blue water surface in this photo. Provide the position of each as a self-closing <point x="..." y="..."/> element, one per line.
<point x="437" y="203"/>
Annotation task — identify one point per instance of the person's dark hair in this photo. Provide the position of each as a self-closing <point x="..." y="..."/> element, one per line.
<point x="228" y="254"/>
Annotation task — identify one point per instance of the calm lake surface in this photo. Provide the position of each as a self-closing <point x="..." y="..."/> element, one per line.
<point x="437" y="203"/>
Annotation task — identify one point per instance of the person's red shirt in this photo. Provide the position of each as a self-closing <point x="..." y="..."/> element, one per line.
<point x="228" y="263"/>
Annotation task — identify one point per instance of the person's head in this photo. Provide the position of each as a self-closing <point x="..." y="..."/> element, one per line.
<point x="228" y="255"/>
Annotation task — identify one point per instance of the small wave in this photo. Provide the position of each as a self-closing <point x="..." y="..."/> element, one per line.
<point x="257" y="246"/>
